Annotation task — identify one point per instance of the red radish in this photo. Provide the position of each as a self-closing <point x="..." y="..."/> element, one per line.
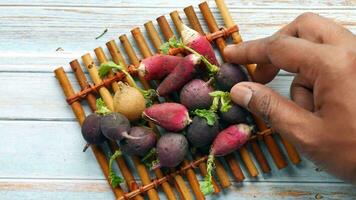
<point x="183" y="73"/>
<point x="170" y="116"/>
<point x="227" y="141"/>
<point x="199" y="43"/>
<point x="158" y="66"/>
<point x="230" y="139"/>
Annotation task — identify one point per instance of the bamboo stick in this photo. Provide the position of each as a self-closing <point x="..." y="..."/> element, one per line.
<point x="80" y="115"/>
<point x="192" y="179"/>
<point x="193" y="19"/>
<point x="231" y="160"/>
<point x="212" y="25"/>
<point x="146" y="52"/>
<point x="291" y="151"/>
<point x="115" y="53"/>
<point x="221" y="173"/>
<point x="178" y="23"/>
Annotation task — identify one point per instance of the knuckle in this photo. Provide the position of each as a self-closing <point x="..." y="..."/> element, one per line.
<point x="306" y="17"/>
<point x="274" y="43"/>
<point x="350" y="58"/>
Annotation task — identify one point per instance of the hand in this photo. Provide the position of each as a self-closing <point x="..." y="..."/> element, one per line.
<point x="320" y="120"/>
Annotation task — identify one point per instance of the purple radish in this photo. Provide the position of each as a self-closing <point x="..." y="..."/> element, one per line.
<point x="229" y="75"/>
<point x="140" y="147"/>
<point x="182" y="73"/>
<point x="195" y="94"/>
<point x="199" y="43"/>
<point x="115" y="126"/>
<point x="91" y="130"/>
<point x="235" y="115"/>
<point x="200" y="133"/>
<point x="171" y="150"/>
<point x="158" y="66"/>
<point x="227" y="141"/>
<point x="170" y="116"/>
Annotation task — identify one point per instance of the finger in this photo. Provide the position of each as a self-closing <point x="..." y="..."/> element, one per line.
<point x="316" y="28"/>
<point x="301" y="93"/>
<point x="287" y="118"/>
<point x="265" y="73"/>
<point x="284" y="52"/>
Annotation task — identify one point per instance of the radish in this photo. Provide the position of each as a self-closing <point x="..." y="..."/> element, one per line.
<point x="115" y="126"/>
<point x="158" y="66"/>
<point x="227" y="141"/>
<point x="91" y="130"/>
<point x="129" y="101"/>
<point x="235" y="115"/>
<point x="199" y="43"/>
<point x="200" y="133"/>
<point x="171" y="150"/>
<point x="170" y="116"/>
<point x="182" y="73"/>
<point x="147" y="95"/>
<point x="195" y="94"/>
<point x="147" y="140"/>
<point x="229" y="75"/>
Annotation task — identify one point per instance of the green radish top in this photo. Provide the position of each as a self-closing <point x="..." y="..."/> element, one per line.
<point x="114" y="179"/>
<point x="209" y="114"/>
<point x="101" y="109"/>
<point x="206" y="186"/>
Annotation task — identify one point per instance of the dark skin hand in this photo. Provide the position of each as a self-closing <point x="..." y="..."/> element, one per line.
<point x="320" y="118"/>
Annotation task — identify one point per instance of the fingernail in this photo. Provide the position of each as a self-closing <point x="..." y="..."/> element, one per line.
<point x="241" y="95"/>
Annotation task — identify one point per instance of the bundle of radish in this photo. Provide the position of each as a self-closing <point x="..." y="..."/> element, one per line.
<point x="158" y="66"/>
<point x="170" y="116"/>
<point x="227" y="141"/>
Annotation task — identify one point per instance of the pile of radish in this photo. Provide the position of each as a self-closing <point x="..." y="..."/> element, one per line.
<point x="202" y="116"/>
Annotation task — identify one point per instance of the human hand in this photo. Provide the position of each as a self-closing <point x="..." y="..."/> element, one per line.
<point x="320" y="120"/>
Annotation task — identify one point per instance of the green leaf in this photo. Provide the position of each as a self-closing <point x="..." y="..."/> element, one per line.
<point x="224" y="98"/>
<point x="101" y="108"/>
<point x="149" y="96"/>
<point x="114" y="179"/>
<point x="164" y="48"/>
<point x="225" y="102"/>
<point x="208" y="115"/>
<point x="107" y="66"/>
<point x="207" y="185"/>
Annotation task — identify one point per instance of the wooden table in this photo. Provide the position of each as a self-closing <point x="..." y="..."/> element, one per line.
<point x="40" y="141"/>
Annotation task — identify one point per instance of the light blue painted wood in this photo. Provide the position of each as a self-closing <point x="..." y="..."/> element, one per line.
<point x="40" y="145"/>
<point x="53" y="150"/>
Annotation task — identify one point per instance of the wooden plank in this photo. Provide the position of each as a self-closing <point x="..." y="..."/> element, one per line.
<point x="182" y="3"/>
<point x="36" y="27"/>
<point x="52" y="150"/>
<point x="92" y="190"/>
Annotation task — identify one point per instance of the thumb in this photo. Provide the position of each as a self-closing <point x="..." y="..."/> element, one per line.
<point x="286" y="117"/>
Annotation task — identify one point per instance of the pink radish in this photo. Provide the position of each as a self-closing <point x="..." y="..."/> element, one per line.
<point x="158" y="66"/>
<point x="183" y="73"/>
<point x="199" y="43"/>
<point x="227" y="141"/>
<point x="170" y="116"/>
